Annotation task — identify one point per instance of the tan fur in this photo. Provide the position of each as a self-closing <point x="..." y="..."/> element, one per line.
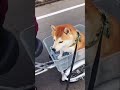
<point x="59" y="33"/>
<point x="111" y="45"/>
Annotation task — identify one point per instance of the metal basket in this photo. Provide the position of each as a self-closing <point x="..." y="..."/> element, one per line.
<point x="65" y="62"/>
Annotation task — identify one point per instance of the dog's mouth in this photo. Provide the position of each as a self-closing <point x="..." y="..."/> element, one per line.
<point x="58" y="52"/>
<point x="55" y="51"/>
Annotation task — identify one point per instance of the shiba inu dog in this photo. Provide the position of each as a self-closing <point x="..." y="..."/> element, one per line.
<point x="65" y="37"/>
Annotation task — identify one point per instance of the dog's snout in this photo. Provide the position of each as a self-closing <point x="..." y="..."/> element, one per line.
<point x="54" y="49"/>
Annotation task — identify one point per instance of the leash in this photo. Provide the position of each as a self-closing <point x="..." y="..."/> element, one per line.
<point x="95" y="65"/>
<point x="105" y="31"/>
<point x="73" y="60"/>
<point x="76" y="41"/>
<point x="69" y="76"/>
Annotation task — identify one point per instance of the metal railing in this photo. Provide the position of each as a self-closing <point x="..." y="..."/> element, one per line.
<point x="44" y="2"/>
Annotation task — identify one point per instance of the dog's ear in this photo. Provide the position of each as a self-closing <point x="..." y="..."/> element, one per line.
<point x="66" y="30"/>
<point x="53" y="27"/>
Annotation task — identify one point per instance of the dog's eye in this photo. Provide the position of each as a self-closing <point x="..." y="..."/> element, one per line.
<point x="61" y="42"/>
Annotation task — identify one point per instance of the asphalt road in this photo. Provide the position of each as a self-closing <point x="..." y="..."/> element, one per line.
<point x="50" y="80"/>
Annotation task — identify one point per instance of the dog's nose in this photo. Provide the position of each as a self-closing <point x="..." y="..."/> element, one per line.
<point x="54" y="49"/>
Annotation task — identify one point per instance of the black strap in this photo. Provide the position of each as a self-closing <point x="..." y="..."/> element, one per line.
<point x="69" y="76"/>
<point x="105" y="28"/>
<point x="95" y="66"/>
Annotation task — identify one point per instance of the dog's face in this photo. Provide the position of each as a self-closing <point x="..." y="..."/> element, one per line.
<point x="62" y="36"/>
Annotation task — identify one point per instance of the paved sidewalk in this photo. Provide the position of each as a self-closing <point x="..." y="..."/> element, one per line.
<point x="53" y="7"/>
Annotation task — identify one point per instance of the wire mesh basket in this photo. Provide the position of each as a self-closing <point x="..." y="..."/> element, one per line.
<point x="65" y="62"/>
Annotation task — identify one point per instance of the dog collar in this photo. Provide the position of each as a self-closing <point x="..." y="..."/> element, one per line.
<point x="78" y="39"/>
